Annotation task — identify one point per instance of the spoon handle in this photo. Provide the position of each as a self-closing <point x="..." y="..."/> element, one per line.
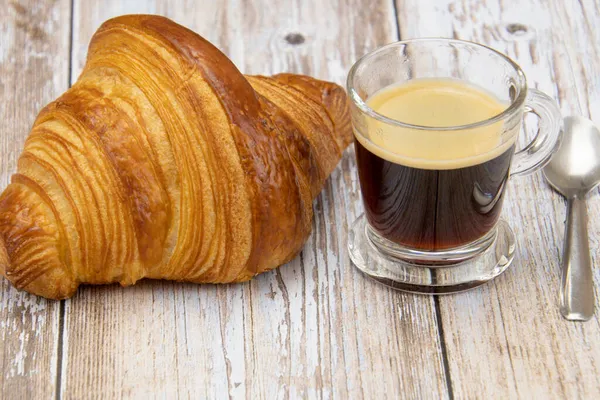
<point x="577" y="291"/>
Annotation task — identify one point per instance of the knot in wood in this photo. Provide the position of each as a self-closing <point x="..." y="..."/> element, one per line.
<point x="294" y="38"/>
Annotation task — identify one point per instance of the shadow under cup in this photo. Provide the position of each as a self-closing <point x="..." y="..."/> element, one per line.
<point x="421" y="207"/>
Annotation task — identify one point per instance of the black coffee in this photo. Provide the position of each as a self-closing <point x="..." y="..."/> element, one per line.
<point x="432" y="209"/>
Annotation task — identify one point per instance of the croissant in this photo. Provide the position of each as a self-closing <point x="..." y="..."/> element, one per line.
<point x="163" y="161"/>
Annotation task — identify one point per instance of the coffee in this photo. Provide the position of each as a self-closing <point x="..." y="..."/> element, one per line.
<point x="434" y="189"/>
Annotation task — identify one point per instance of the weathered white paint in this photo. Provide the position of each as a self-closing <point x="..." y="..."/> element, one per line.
<point x="305" y="329"/>
<point x="314" y="328"/>
<point x="508" y="339"/>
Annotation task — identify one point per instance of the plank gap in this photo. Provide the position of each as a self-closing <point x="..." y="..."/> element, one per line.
<point x="440" y="326"/>
<point x="71" y="22"/>
<point x="59" y="350"/>
<point x="396" y="19"/>
<point x="61" y="310"/>
<point x="436" y="300"/>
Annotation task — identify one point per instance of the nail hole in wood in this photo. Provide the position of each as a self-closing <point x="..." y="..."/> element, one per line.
<point x="294" y="38"/>
<point x="516" y="29"/>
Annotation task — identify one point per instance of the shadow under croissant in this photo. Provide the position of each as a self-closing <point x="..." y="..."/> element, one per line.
<point x="150" y="287"/>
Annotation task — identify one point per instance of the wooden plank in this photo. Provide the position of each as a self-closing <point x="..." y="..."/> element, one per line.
<point x="34" y="64"/>
<point x="508" y="339"/>
<point x="313" y="328"/>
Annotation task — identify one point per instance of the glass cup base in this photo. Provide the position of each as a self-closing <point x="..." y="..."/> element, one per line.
<point x="442" y="272"/>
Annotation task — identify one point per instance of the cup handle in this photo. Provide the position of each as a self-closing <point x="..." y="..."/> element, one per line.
<point x="538" y="152"/>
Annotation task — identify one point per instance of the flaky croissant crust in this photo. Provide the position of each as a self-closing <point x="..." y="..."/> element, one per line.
<point x="163" y="161"/>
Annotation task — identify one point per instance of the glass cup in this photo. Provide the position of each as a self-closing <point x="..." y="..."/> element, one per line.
<point x="432" y="225"/>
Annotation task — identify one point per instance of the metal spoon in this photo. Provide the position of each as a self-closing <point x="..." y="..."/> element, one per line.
<point x="574" y="171"/>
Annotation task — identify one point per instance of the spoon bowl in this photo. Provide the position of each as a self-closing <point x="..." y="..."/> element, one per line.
<point x="574" y="169"/>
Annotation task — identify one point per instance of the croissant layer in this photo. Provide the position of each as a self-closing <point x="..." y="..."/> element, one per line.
<point x="163" y="161"/>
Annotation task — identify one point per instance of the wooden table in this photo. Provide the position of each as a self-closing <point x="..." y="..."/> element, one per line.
<point x="316" y="327"/>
